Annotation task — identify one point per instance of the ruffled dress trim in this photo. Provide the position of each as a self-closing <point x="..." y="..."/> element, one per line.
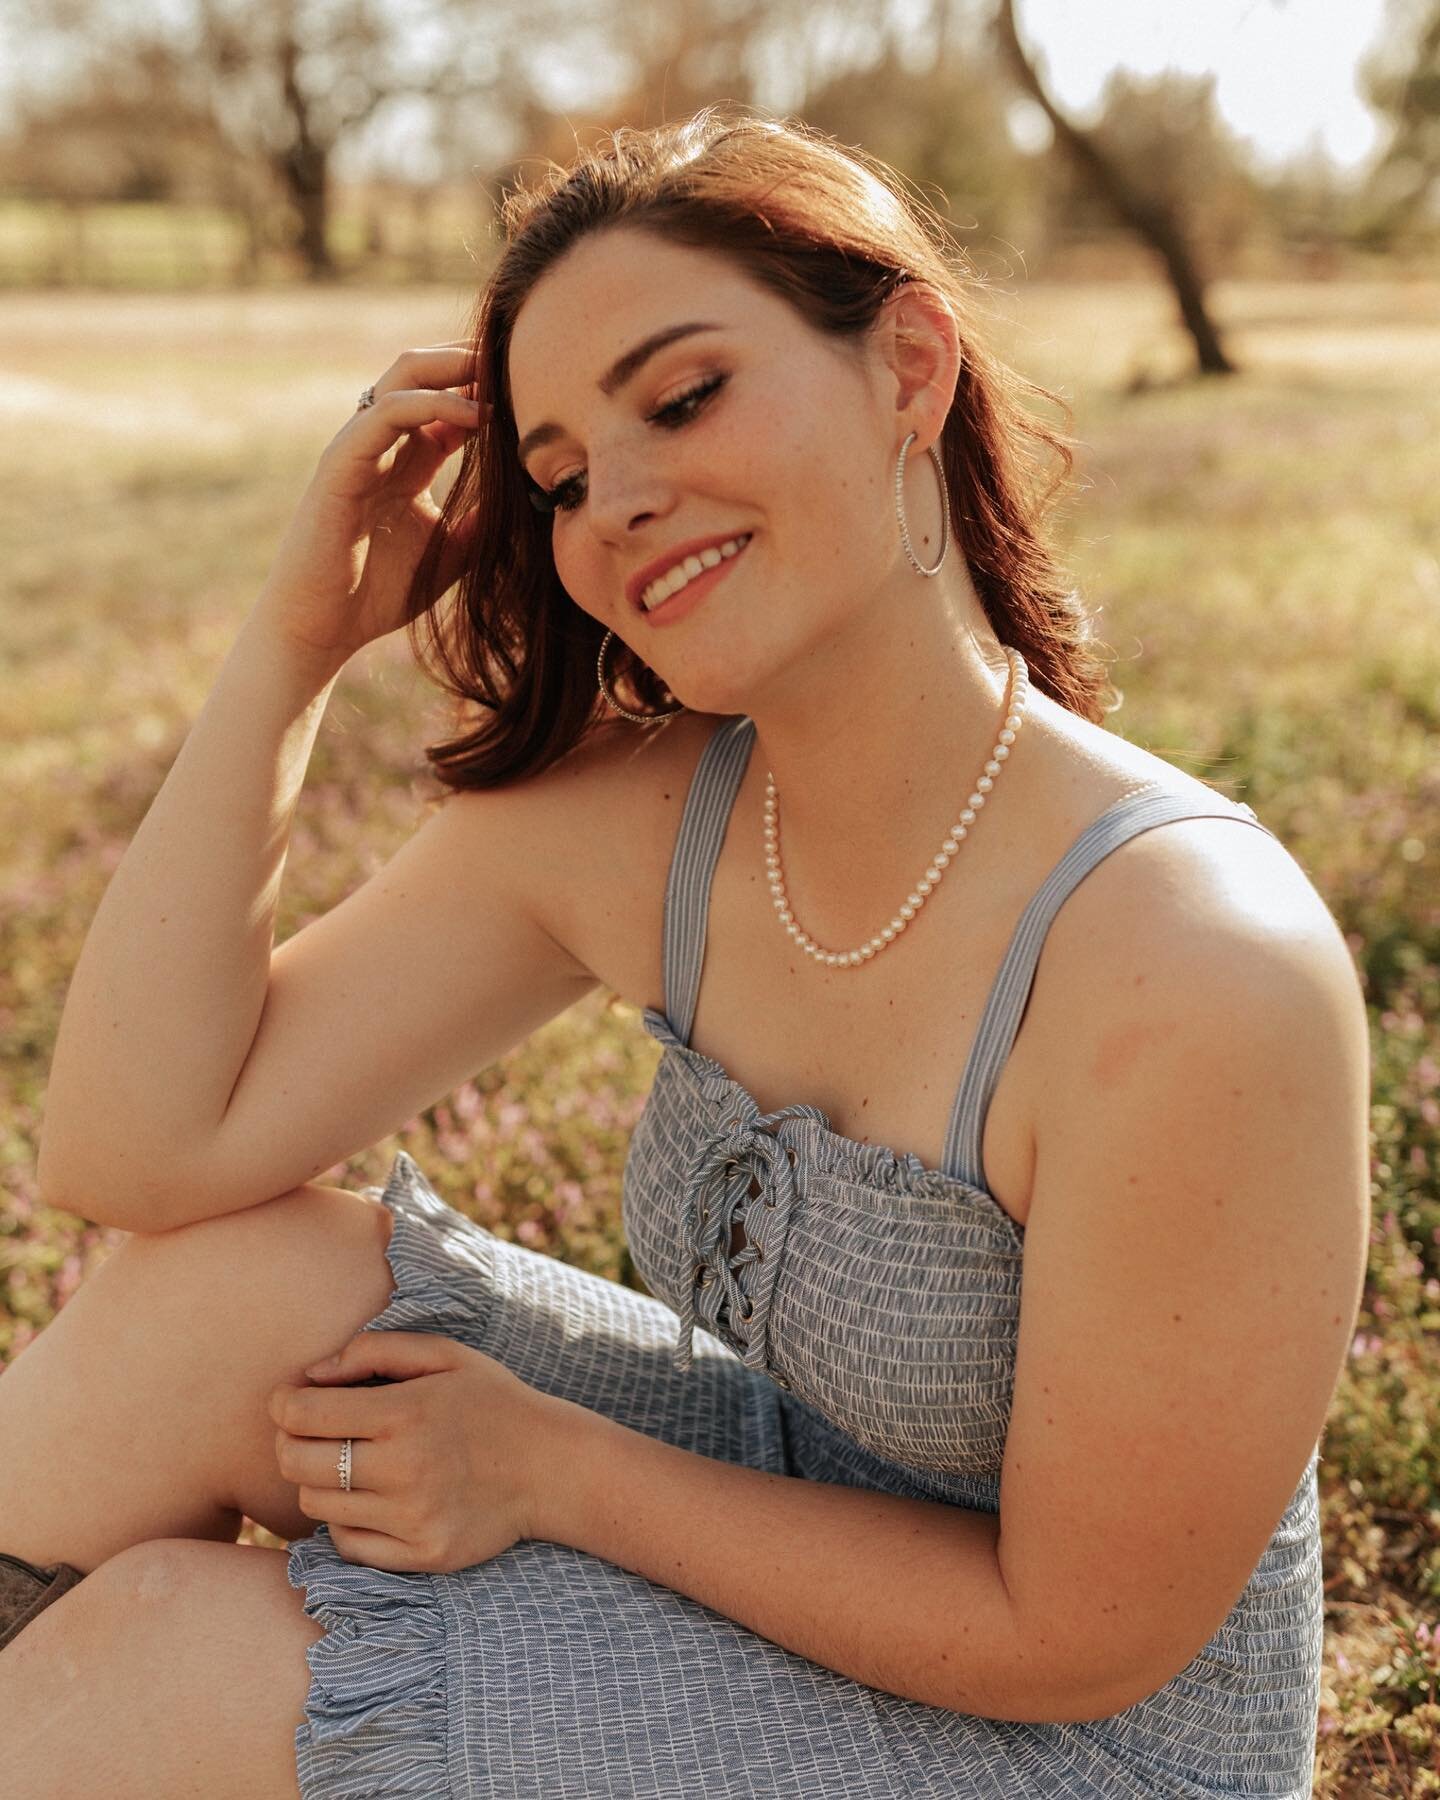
<point x="378" y="1709"/>
<point x="870" y="1165"/>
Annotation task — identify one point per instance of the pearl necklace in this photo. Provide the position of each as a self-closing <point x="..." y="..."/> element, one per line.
<point x="1019" y="688"/>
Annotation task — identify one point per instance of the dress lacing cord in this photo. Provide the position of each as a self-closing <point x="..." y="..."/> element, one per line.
<point x="718" y="1188"/>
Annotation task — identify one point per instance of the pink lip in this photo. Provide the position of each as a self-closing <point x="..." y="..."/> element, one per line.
<point x="693" y="592"/>
<point x="642" y="578"/>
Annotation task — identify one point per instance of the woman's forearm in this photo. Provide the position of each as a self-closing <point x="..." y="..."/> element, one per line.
<point x="901" y="1594"/>
<point x="166" y="997"/>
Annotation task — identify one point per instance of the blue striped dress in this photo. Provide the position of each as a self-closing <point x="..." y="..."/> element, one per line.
<point x="864" y="1332"/>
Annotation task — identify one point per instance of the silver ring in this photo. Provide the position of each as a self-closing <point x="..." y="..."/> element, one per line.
<point x="343" y="1466"/>
<point x="366" y="399"/>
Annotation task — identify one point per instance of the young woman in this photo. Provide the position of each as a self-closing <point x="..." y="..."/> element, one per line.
<point x="1002" y="1190"/>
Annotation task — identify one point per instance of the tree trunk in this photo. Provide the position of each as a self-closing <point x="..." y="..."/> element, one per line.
<point x="303" y="167"/>
<point x="303" y="171"/>
<point x="1152" y="223"/>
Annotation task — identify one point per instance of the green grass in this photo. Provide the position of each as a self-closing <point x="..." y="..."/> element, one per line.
<point x="1264" y="553"/>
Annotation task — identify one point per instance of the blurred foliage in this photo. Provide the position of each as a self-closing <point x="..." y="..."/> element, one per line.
<point x="263" y="128"/>
<point x="1264" y="558"/>
<point x="1401" y="78"/>
<point x="944" y="124"/>
<point x="1166" y="132"/>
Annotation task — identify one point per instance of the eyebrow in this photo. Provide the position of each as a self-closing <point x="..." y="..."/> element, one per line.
<point x="617" y="375"/>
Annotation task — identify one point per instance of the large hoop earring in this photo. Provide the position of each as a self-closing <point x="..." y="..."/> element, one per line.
<point x="934" y="456"/>
<point x="610" y="700"/>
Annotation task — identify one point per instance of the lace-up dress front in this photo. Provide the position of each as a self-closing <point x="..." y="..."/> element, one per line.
<point x="818" y="1307"/>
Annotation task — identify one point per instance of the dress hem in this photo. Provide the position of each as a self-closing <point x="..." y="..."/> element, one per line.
<point x="385" y="1657"/>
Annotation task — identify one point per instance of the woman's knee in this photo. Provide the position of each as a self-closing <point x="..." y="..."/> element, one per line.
<point x="279" y="1284"/>
<point x="304" y="1246"/>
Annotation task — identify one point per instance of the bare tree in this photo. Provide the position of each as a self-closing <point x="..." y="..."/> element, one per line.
<point x="290" y="80"/>
<point x="1150" y="218"/>
<point x="284" y="84"/>
<point x="1401" y="78"/>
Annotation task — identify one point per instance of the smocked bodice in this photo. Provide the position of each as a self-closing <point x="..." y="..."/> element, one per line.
<point x="881" y="1292"/>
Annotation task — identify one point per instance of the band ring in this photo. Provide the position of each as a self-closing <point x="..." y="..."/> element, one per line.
<point x="343" y="1466"/>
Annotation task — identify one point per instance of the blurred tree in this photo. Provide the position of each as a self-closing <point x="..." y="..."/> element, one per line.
<point x="670" y="57"/>
<point x="944" y="124"/>
<point x="1148" y="211"/>
<point x="131" y="127"/>
<point x="280" y="84"/>
<point x="1165" y="132"/>
<point x="1401" y="79"/>
<point x="1311" y="212"/>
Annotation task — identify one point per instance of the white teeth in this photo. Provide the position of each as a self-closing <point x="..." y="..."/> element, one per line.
<point x="674" y="579"/>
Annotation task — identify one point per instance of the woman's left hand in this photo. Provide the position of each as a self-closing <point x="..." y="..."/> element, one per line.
<point x="449" y="1462"/>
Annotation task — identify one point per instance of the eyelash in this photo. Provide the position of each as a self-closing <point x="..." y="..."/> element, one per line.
<point x="549" y="500"/>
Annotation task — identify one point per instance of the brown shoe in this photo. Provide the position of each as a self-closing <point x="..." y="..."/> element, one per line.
<point x="27" y="1589"/>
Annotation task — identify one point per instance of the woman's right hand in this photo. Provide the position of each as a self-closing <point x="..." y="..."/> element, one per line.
<point x="345" y="562"/>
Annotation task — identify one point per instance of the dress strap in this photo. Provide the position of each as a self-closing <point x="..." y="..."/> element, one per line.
<point x="1154" y="803"/>
<point x="698" y="842"/>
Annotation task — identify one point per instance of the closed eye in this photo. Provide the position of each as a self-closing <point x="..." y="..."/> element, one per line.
<point x="565" y="495"/>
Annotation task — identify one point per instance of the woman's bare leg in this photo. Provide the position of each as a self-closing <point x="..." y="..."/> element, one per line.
<point x="176" y="1669"/>
<point x="140" y="1411"/>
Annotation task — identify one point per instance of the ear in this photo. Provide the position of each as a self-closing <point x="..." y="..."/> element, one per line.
<point x="917" y="340"/>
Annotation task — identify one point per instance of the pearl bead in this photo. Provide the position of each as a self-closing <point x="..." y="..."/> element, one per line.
<point x="1019" y="688"/>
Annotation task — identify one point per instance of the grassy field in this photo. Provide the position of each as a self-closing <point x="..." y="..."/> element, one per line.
<point x="1264" y="553"/>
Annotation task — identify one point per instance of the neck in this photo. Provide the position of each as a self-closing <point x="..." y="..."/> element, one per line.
<point x="874" y="762"/>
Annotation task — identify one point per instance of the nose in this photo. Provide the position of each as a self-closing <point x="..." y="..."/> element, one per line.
<point x="624" y="492"/>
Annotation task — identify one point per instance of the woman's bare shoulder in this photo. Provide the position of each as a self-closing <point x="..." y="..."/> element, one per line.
<point x="1173" y="899"/>
<point x="606" y="815"/>
<point x="643" y="771"/>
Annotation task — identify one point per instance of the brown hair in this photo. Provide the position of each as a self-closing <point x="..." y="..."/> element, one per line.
<point x="832" y="231"/>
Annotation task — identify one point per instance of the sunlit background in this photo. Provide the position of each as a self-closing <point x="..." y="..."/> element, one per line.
<point x="1212" y="230"/>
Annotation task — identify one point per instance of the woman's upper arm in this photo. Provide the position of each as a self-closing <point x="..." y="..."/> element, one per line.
<point x="431" y="970"/>
<point x="1193" y="1257"/>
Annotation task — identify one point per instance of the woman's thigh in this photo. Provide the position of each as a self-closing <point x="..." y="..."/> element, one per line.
<point x="140" y="1412"/>
<point x="178" y="1667"/>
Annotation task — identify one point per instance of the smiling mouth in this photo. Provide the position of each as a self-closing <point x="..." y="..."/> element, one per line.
<point x="713" y="557"/>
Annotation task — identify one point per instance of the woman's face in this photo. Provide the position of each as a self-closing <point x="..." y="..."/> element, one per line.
<point x="758" y="425"/>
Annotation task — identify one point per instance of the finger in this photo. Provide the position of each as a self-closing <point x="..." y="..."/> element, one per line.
<point x="400" y="1354"/>
<point x="354" y="1511"/>
<point x="315" y="1463"/>
<point x="377" y="1550"/>
<point x="425" y="452"/>
<point x="441" y="365"/>
<point x="335" y="1411"/>
<point x="373" y="430"/>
